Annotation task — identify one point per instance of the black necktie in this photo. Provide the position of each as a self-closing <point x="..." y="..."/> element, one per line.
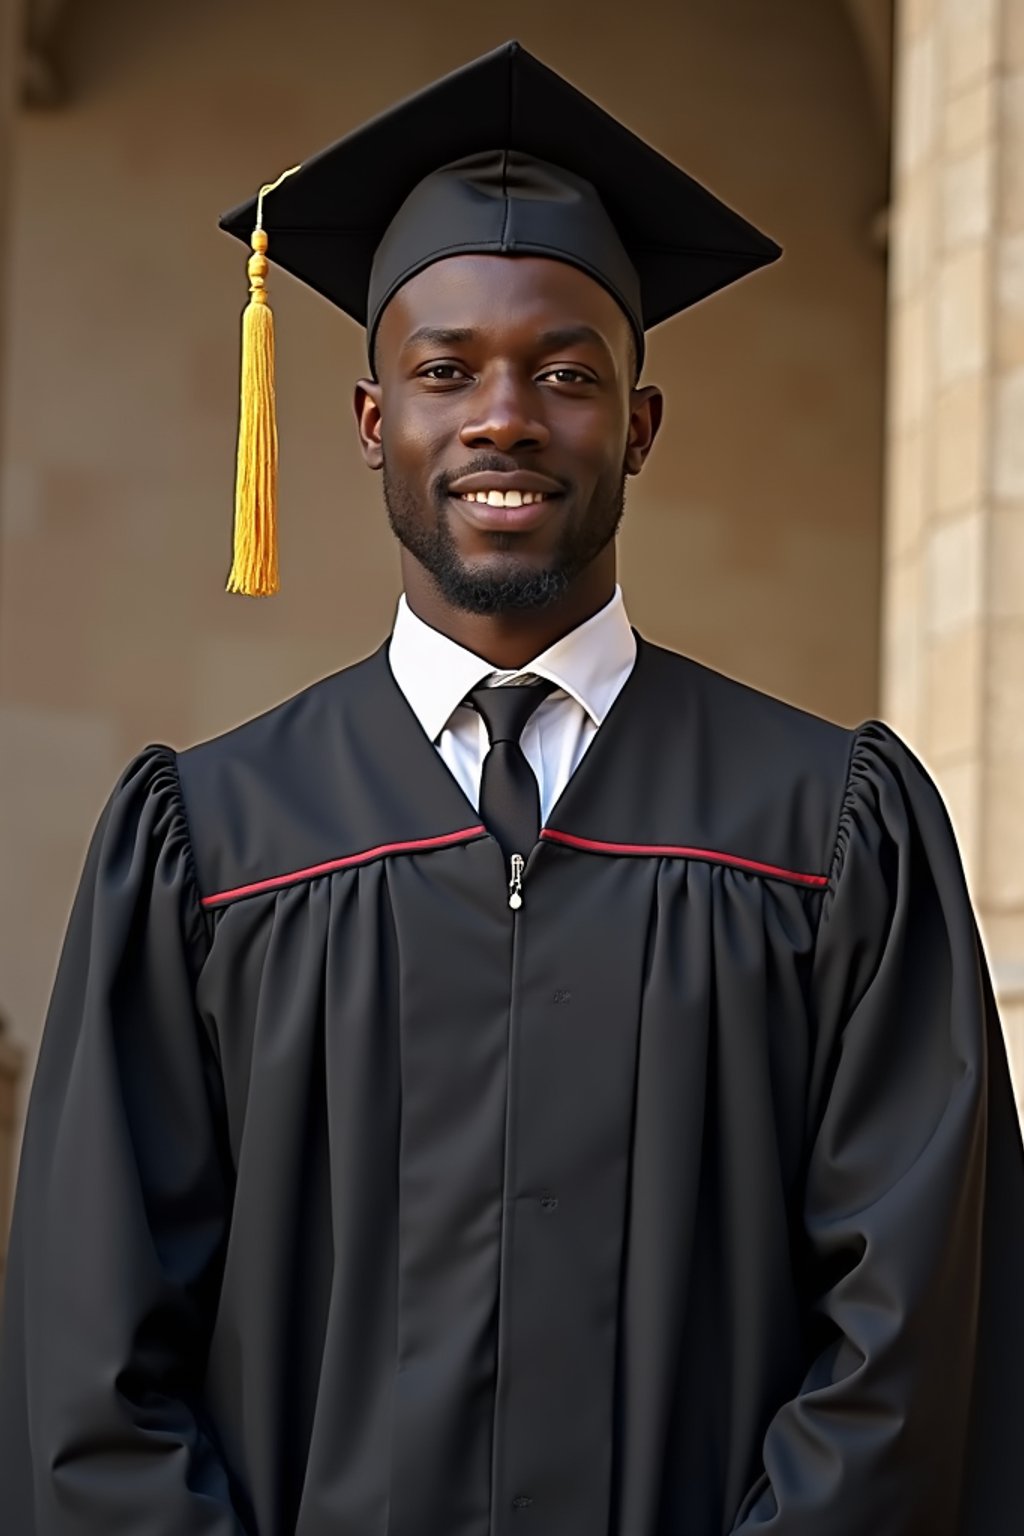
<point x="509" y="798"/>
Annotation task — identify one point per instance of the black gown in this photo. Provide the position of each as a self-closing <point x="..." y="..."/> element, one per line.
<point x="688" y="1199"/>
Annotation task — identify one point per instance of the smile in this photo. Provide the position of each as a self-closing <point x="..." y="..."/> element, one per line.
<point x="505" y="498"/>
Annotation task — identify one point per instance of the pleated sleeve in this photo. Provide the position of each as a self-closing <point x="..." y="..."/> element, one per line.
<point x="122" y="1205"/>
<point x="910" y="1417"/>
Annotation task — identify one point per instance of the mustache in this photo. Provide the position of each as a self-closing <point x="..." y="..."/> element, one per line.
<point x="491" y="463"/>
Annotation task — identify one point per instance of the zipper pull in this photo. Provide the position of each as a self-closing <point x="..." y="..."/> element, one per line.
<point x="515" y="884"/>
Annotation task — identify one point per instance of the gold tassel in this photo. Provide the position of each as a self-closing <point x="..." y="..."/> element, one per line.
<point x="254" y="570"/>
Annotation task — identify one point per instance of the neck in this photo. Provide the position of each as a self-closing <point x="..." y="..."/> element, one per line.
<point x="510" y="640"/>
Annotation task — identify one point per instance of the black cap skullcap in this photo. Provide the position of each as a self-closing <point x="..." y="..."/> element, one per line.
<point x="502" y="155"/>
<point x="506" y="202"/>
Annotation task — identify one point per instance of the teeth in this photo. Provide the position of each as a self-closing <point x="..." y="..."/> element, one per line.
<point x="504" y="498"/>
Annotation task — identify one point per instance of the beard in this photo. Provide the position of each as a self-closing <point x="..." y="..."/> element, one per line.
<point x="508" y="584"/>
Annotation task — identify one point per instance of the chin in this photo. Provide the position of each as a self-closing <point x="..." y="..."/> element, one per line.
<point x="496" y="586"/>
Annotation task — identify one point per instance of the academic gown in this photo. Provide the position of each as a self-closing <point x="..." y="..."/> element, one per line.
<point x="686" y="1199"/>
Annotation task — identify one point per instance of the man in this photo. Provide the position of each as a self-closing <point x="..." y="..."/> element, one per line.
<point x="527" y="1082"/>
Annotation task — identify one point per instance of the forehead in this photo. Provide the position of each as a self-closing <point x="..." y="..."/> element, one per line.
<point x="501" y="296"/>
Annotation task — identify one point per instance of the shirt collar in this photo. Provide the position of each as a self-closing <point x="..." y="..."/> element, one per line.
<point x="590" y="663"/>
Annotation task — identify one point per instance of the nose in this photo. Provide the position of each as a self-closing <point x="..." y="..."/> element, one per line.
<point x="504" y="416"/>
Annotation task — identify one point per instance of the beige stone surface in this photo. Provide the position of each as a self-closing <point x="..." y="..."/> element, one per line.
<point x="955" y="566"/>
<point x="1004" y="663"/>
<point x="913" y="238"/>
<point x="912" y="18"/>
<point x="1009" y="333"/>
<point x="903" y="636"/>
<point x="1006" y="567"/>
<point x="1008" y="441"/>
<point x="962" y="314"/>
<point x="1003" y="831"/>
<point x="1002" y="930"/>
<point x="908" y="496"/>
<point x="971" y="39"/>
<point x="967" y="544"/>
<point x="968" y="117"/>
<point x="1011" y="42"/>
<point x="917" y="101"/>
<point x="912" y="362"/>
<point x="967" y="188"/>
<point x="1011" y="132"/>
<point x="961" y="445"/>
<point x="954" y="699"/>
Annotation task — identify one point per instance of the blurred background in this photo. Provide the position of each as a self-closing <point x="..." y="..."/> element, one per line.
<point x="835" y="509"/>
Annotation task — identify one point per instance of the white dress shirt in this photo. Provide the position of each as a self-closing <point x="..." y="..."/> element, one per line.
<point x="589" y="666"/>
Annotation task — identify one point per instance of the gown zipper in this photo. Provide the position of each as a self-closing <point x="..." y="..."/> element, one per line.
<point x="515" y="884"/>
<point x="516" y="865"/>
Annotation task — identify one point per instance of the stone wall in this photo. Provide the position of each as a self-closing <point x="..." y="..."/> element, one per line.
<point x="953" y="654"/>
<point x="751" y="541"/>
<point x="10" y="1056"/>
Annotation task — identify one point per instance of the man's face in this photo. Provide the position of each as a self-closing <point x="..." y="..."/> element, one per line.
<point x="505" y="421"/>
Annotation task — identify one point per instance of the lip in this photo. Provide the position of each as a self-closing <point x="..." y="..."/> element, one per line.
<point x="487" y="519"/>
<point x="514" y="480"/>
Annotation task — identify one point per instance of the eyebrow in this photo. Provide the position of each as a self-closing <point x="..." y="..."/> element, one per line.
<point x="571" y="336"/>
<point x="563" y="336"/>
<point x="434" y="336"/>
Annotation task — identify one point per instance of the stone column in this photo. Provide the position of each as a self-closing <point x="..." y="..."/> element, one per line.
<point x="953" y="646"/>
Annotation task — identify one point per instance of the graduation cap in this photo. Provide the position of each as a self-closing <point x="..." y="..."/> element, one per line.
<point x="500" y="156"/>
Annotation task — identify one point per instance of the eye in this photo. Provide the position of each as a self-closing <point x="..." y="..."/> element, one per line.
<point x="444" y="373"/>
<point x="567" y="375"/>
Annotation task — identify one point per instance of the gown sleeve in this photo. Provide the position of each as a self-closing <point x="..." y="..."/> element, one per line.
<point x="909" y="1420"/>
<point x="122" y="1204"/>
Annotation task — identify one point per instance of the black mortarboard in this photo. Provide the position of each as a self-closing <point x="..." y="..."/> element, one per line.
<point x="502" y="155"/>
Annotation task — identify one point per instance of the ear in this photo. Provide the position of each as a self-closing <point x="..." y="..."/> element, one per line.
<point x="367" y="404"/>
<point x="646" y="406"/>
